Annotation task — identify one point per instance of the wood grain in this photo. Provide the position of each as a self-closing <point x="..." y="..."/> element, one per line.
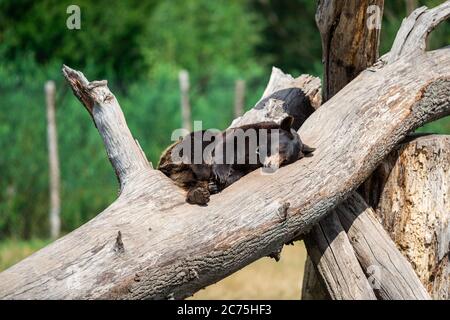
<point x="172" y="249"/>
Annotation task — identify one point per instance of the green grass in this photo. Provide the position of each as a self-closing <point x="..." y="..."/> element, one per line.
<point x="441" y="126"/>
<point x="12" y="251"/>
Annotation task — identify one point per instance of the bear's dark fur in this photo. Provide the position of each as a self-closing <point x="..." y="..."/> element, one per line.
<point x="216" y="168"/>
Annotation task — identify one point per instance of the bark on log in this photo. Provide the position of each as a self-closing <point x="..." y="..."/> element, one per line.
<point x="312" y="287"/>
<point x="285" y="95"/>
<point x="397" y="291"/>
<point x="350" y="39"/>
<point x="349" y="45"/>
<point x="413" y="187"/>
<point x="342" y="275"/>
<point x="391" y="275"/>
<point x="169" y="248"/>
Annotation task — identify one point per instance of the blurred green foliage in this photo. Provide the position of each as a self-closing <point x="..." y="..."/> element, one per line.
<point x="139" y="46"/>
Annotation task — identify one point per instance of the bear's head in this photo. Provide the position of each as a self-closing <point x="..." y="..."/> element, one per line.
<point x="290" y="147"/>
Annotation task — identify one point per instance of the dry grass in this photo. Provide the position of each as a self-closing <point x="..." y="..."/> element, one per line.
<point x="263" y="279"/>
<point x="12" y="251"/>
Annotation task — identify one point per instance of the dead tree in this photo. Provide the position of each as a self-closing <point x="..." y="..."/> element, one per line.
<point x="151" y="244"/>
<point x="409" y="192"/>
<point x="404" y="284"/>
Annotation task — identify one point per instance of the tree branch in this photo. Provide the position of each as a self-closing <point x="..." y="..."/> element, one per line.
<point x="412" y="37"/>
<point x="123" y="151"/>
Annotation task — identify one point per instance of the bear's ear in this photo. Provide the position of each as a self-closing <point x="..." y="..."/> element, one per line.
<point x="307" y="149"/>
<point x="286" y="123"/>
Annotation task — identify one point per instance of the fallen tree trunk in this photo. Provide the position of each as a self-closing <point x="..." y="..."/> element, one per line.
<point x="167" y="248"/>
<point x="361" y="247"/>
<point x="413" y="187"/>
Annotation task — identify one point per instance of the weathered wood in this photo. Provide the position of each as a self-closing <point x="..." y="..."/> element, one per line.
<point x="349" y="46"/>
<point x="341" y="273"/>
<point x="239" y="98"/>
<point x="424" y="32"/>
<point x="171" y="248"/>
<point x="413" y="187"/>
<point x="184" y="100"/>
<point x="391" y="275"/>
<point x="312" y="287"/>
<point x="285" y="95"/>
<point x="53" y="161"/>
<point x="123" y="151"/>
<point x="349" y="40"/>
<point x="412" y="37"/>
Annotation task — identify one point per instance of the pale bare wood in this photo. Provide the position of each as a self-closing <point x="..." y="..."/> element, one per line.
<point x="172" y="249"/>
<point x="413" y="185"/>
<point x="184" y="102"/>
<point x="412" y="37"/>
<point x="283" y="96"/>
<point x="123" y="152"/>
<point x="53" y="160"/>
<point x="391" y="275"/>
<point x="341" y="273"/>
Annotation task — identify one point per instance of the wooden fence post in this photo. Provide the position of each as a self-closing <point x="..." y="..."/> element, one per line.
<point x="239" y="98"/>
<point x="185" y="105"/>
<point x="52" y="138"/>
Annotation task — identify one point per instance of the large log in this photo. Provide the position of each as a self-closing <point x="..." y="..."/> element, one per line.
<point x="388" y="290"/>
<point x="342" y="275"/>
<point x="167" y="248"/>
<point x="350" y="39"/>
<point x="391" y="275"/>
<point x="349" y="46"/>
<point x="413" y="187"/>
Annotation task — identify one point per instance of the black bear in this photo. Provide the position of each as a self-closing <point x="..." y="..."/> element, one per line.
<point x="205" y="162"/>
